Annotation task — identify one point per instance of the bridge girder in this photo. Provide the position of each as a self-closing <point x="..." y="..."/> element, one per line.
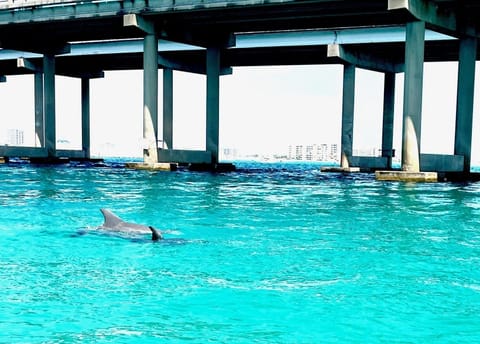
<point x="452" y="20"/>
<point x="369" y="61"/>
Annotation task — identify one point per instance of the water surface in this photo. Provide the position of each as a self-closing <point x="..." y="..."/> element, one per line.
<point x="272" y="253"/>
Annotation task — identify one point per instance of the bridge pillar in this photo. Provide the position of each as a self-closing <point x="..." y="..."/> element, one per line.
<point x="412" y="110"/>
<point x="49" y="106"/>
<point x="465" y="96"/>
<point x="388" y="117"/>
<point x="348" y="104"/>
<point x="168" y="108"/>
<point x="39" y="110"/>
<point x="150" y="98"/>
<point x="412" y="106"/>
<point x="85" y="85"/>
<point x="213" y="102"/>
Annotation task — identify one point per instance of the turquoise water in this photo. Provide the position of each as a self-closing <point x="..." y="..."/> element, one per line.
<point x="269" y="254"/>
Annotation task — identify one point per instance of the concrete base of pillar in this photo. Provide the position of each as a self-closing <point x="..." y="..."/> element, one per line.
<point x="403" y="176"/>
<point x="49" y="161"/>
<point x="61" y="160"/>
<point x="219" y="167"/>
<point x="340" y="169"/>
<point x="161" y="166"/>
<point x="459" y="176"/>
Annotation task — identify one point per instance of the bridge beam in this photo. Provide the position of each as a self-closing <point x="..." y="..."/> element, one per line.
<point x="363" y="60"/>
<point x="25" y="43"/>
<point x="135" y="20"/>
<point x="82" y="74"/>
<point x="451" y="22"/>
<point x="413" y="85"/>
<point x="202" y="38"/>
<point x="29" y="65"/>
<point x="465" y="98"/>
<point x="348" y="104"/>
<point x="170" y="63"/>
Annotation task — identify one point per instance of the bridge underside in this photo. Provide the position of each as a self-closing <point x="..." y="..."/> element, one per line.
<point x="205" y="21"/>
<point x="212" y="28"/>
<point x="435" y="51"/>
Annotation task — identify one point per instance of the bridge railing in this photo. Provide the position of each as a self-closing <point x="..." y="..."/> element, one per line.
<point x="11" y="4"/>
<point x="179" y="4"/>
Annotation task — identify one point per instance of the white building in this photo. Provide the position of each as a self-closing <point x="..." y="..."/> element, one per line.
<point x="314" y="152"/>
<point x="15" y="137"/>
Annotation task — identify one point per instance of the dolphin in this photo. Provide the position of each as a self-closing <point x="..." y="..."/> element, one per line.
<point x="113" y="223"/>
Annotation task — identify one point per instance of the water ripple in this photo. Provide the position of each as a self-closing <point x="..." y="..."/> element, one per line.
<point x="270" y="253"/>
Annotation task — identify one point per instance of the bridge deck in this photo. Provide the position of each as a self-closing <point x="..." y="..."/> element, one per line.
<point x="50" y="23"/>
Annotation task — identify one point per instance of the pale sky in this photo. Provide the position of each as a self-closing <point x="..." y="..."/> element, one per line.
<point x="262" y="109"/>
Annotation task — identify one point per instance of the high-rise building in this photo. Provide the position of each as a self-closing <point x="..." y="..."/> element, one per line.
<point x="314" y="152"/>
<point x="299" y="152"/>
<point x="15" y="137"/>
<point x="334" y="151"/>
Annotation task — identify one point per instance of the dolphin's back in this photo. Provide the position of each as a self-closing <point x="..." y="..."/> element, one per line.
<point x="111" y="220"/>
<point x="114" y="223"/>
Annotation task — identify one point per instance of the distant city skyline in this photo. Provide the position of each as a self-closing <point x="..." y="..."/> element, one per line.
<point x="325" y="152"/>
<point x="262" y="109"/>
<point x="12" y="137"/>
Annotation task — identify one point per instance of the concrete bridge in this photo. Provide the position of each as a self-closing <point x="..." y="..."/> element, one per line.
<point x="211" y="36"/>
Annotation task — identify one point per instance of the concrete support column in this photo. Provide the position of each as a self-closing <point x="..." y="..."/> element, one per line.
<point x="348" y="104"/>
<point x="39" y="114"/>
<point x="413" y="86"/>
<point x="150" y="98"/>
<point x="213" y="102"/>
<point x="168" y="108"/>
<point x="49" y="96"/>
<point x="86" y="117"/>
<point x="465" y="95"/>
<point x="388" y="116"/>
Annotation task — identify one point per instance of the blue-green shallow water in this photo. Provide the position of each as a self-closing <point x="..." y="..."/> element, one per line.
<point x="269" y="254"/>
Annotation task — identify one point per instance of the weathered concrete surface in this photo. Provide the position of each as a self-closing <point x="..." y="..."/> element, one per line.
<point x="404" y="176"/>
<point x="348" y="109"/>
<point x="152" y="167"/>
<point x="412" y="96"/>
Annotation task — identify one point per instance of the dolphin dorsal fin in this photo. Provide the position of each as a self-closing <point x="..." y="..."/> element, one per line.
<point x="155" y="234"/>
<point x="111" y="220"/>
